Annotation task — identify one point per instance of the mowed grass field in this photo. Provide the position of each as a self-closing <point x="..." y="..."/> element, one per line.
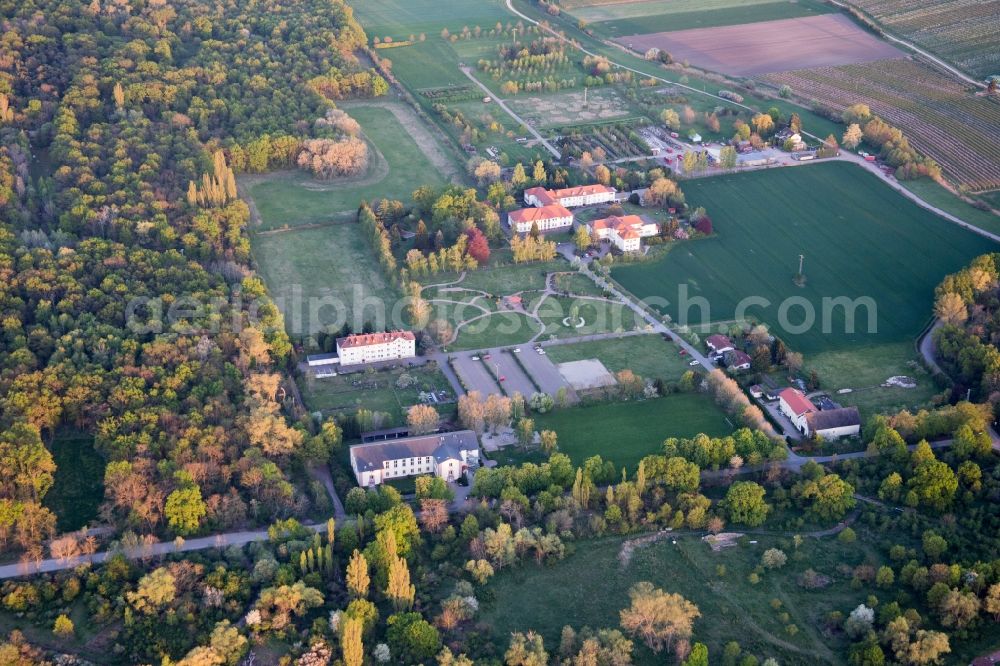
<point x="323" y="277"/>
<point x="590" y="587"/>
<point x="401" y="18"/>
<point x="405" y="157"/>
<point x="649" y="356"/>
<point x="859" y="239"/>
<point x="626" y="432"/>
<point x="635" y="18"/>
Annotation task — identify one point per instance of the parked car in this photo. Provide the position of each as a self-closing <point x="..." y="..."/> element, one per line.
<point x="475" y="358"/>
<point x="693" y="363"/>
<point x="516" y="350"/>
<point x="502" y="378"/>
<point x="486" y="356"/>
<point x="683" y="352"/>
<point x="541" y="352"/>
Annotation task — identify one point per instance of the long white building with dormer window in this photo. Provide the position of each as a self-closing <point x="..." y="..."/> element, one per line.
<point x="373" y="347"/>
<point x="446" y="455"/>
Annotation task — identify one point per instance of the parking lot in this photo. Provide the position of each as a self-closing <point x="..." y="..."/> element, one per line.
<point x="474" y="374"/>
<point x="479" y="377"/>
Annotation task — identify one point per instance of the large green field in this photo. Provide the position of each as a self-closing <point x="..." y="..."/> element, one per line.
<point x="406" y="156"/>
<point x="646" y="16"/>
<point x="626" y="432"/>
<point x="322" y="277"/>
<point x="401" y="18"/>
<point x="649" y="356"/>
<point x="591" y="586"/>
<point x="859" y="239"/>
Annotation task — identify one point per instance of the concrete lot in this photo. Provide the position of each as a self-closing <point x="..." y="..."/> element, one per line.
<point x="545" y="372"/>
<point x="516" y="379"/>
<point x="474" y="374"/>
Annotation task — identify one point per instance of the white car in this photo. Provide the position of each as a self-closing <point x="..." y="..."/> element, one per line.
<point x="541" y="352"/>
<point x="475" y="358"/>
<point x="694" y="363"/>
<point x="516" y="350"/>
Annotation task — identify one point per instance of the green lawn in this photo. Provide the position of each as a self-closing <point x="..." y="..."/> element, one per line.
<point x="576" y="284"/>
<point x="375" y="391"/>
<point x="398" y="166"/>
<point x="648" y="356"/>
<point x="496" y="330"/>
<point x="859" y="238"/>
<point x="591" y="586"/>
<point x="626" y="432"/>
<point x="78" y="484"/>
<point x="401" y="18"/>
<point x="506" y="279"/>
<point x="938" y="196"/>
<point x="636" y="18"/>
<point x="864" y="369"/>
<point x="599" y="316"/>
<point x="324" y="277"/>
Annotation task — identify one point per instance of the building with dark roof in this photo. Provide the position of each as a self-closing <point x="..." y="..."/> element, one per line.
<point x="834" y="423"/>
<point x="446" y="455"/>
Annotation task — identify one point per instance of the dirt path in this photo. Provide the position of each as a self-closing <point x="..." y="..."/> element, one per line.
<point x="415" y="127"/>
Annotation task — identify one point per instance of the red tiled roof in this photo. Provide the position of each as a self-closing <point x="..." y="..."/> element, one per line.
<point x="797" y="401"/>
<point x="368" y="339"/>
<point x="581" y="190"/>
<point x="621" y="224"/>
<point x="537" y="214"/>
<point x="718" y="341"/>
<point x="541" y="194"/>
<point x="741" y="358"/>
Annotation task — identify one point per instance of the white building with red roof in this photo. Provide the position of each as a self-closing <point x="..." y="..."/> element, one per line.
<point x="582" y="195"/>
<point x="372" y="347"/>
<point x="624" y="232"/>
<point x="719" y="344"/>
<point x="796" y="406"/>
<point x="547" y="218"/>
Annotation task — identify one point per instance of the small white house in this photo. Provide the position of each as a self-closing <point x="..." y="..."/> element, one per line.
<point x="446" y="455"/>
<point x="373" y="347"/>
<point x="719" y="344"/>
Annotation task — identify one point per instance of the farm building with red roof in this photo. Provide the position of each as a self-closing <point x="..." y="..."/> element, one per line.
<point x="546" y="218"/>
<point x="582" y="195"/>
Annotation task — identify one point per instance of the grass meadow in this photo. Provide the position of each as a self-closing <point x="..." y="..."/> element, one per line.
<point x="591" y="586"/>
<point x="625" y="432"/>
<point x="599" y="316"/>
<point x="401" y="18"/>
<point x="647" y="16"/>
<point x="332" y="265"/>
<point x="496" y="330"/>
<point x="859" y="238"/>
<point x="649" y="356"/>
<point x="398" y="167"/>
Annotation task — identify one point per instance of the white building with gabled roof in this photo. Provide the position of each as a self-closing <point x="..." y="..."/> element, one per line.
<point x="445" y="455"/>
<point x="373" y="347"/>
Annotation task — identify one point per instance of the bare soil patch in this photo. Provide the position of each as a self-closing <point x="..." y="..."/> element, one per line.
<point x="770" y="46"/>
<point x="586" y="374"/>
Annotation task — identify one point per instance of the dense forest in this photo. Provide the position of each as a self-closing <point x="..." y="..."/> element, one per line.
<point x="127" y="305"/>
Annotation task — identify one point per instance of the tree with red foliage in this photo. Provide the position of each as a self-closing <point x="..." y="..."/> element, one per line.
<point x="704" y="226"/>
<point x="479" y="247"/>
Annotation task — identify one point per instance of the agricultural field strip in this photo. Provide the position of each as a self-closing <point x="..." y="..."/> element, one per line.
<point x="960" y="131"/>
<point x="965" y="32"/>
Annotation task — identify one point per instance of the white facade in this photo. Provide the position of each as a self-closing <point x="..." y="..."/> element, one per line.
<point x="445" y="455"/>
<point x="372" y="347"/>
<point x="570" y="197"/>
<point x="796" y="407"/>
<point x="837" y="433"/>
<point x="545" y="218"/>
<point x="625" y="233"/>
